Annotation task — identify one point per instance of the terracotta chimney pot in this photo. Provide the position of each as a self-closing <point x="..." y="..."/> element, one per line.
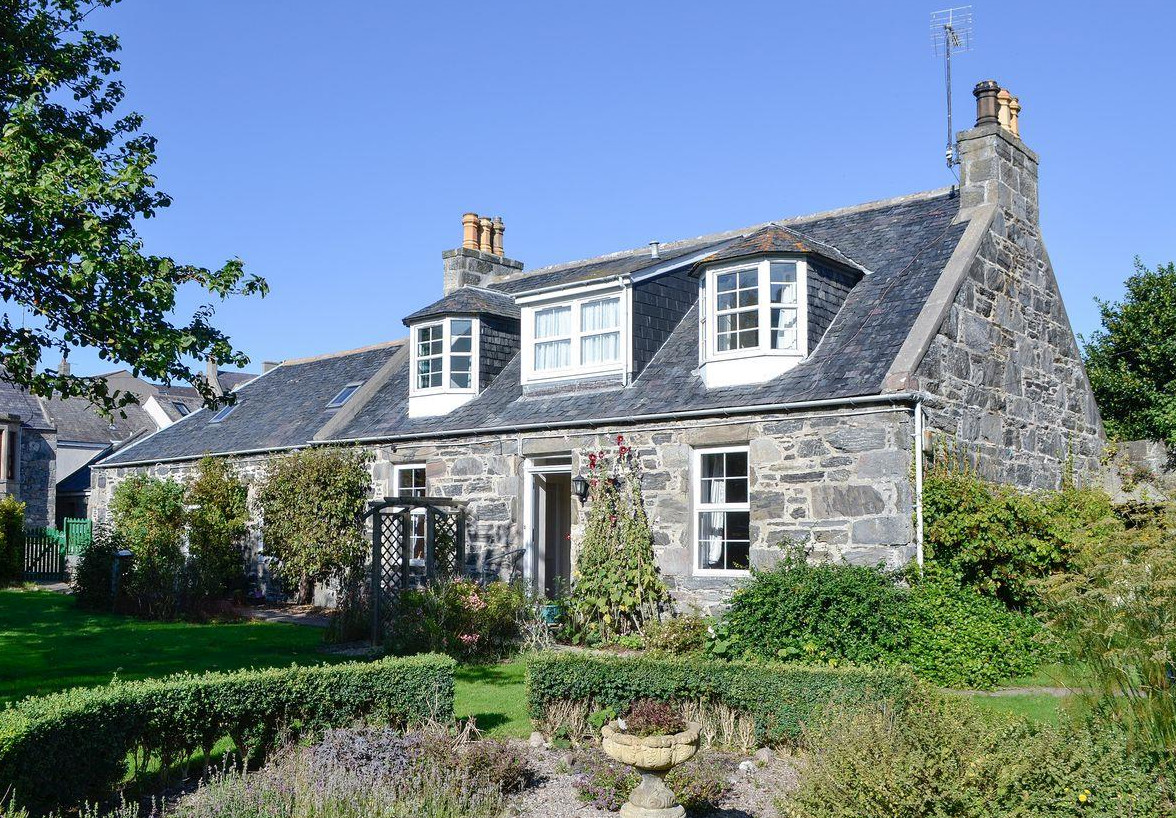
<point x="469" y="231"/>
<point x="499" y="229"/>
<point x="1002" y="108"/>
<point x="986" y="103"/>
<point x="485" y="235"/>
<point x="1014" y="113"/>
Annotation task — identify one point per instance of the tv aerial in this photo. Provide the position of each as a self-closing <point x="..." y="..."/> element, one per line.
<point x="951" y="32"/>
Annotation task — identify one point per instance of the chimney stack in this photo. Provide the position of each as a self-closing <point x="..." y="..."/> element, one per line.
<point x="211" y="375"/>
<point x="480" y="259"/>
<point x="63" y="367"/>
<point x="996" y="167"/>
<point x="268" y="366"/>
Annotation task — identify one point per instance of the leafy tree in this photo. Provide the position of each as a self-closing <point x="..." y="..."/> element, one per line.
<point x="12" y="513"/>
<point x="217" y="524"/>
<point x="74" y="178"/>
<point x="148" y="516"/>
<point x="1131" y="361"/>
<point x="311" y="501"/>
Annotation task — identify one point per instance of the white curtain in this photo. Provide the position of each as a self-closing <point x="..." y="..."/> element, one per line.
<point x="717" y="524"/>
<point x="553" y="322"/>
<point x="600" y="349"/>
<point x="553" y="354"/>
<point x="598" y="315"/>
<point x="783" y="328"/>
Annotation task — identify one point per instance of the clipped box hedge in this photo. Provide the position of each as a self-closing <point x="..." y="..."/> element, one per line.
<point x="62" y="749"/>
<point x="779" y="697"/>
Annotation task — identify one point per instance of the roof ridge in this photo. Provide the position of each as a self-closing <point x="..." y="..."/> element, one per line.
<point x="720" y="236"/>
<point x="343" y="353"/>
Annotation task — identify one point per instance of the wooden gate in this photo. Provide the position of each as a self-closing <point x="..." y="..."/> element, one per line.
<point x="44" y="554"/>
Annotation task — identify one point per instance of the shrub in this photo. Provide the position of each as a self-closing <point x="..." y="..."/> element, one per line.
<point x="1115" y="615"/>
<point x="617" y="587"/>
<point x="217" y="526"/>
<point x="94" y="572"/>
<point x="779" y="697"/>
<point x="679" y="635"/>
<point x="148" y="515"/>
<point x="11" y="541"/>
<point x="311" y="502"/>
<point x="939" y="756"/>
<point x="955" y="637"/>
<point x="72" y="746"/>
<point x="646" y="717"/>
<point x="701" y="783"/>
<point x="460" y="618"/>
<point x="799" y="610"/>
<point x="497" y="762"/>
<point x="1000" y="540"/>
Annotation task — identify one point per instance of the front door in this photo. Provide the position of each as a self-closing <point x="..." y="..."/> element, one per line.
<point x="550" y="545"/>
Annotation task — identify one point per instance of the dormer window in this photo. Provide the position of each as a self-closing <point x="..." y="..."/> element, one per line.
<point x="574" y="337"/>
<point x="444" y="365"/>
<point x="752" y="321"/>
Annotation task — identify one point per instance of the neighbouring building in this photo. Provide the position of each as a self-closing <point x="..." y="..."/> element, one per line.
<point x="48" y="446"/>
<point x="780" y="382"/>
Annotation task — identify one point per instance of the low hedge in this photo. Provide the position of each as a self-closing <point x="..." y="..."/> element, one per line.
<point x="62" y="749"/>
<point x="779" y="697"/>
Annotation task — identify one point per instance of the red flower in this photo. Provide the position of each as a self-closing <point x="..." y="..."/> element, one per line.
<point x="592" y="461"/>
<point x="625" y="450"/>
<point x="620" y="439"/>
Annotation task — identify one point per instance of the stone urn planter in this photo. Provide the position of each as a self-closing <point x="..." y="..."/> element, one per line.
<point x="653" y="756"/>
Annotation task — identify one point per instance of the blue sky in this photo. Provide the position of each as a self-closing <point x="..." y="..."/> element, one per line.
<point x="334" y="146"/>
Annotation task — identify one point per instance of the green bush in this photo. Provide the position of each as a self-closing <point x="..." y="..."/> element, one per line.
<point x="837" y="613"/>
<point x="11" y="541"/>
<point x="679" y="635"/>
<point x="940" y="756"/>
<point x="999" y="539"/>
<point x="93" y="574"/>
<point x="460" y="618"/>
<point x="955" y="637"/>
<point x="217" y="526"/>
<point x="799" y="610"/>
<point x="148" y="515"/>
<point x="779" y="697"/>
<point x="62" y="749"/>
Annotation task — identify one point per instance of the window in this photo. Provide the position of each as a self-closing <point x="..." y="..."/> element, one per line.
<point x="344" y="394"/>
<point x="410" y="482"/>
<point x="581" y="336"/>
<point x="445" y="356"/>
<point x="224" y="412"/>
<point x="756" y="308"/>
<point x="723" y="507"/>
<point x="182" y="408"/>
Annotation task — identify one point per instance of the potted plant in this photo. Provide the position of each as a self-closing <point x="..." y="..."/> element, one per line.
<point x="651" y="737"/>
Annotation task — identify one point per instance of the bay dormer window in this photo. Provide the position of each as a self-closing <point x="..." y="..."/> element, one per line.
<point x="444" y="365"/>
<point x="574" y="337"/>
<point x="752" y="321"/>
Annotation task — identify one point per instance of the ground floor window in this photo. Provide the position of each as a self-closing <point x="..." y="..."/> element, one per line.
<point x="722" y="503"/>
<point x="410" y="482"/>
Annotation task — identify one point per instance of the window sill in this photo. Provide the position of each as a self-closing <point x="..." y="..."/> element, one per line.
<point x="432" y="404"/>
<point x="747" y="369"/>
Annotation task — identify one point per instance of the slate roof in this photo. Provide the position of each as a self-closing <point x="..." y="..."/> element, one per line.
<point x="469" y="301"/>
<point x="904" y="244"/>
<point x="778" y="239"/>
<point x="280" y="409"/>
<point x="78" y="420"/>
<point x="17" y="401"/>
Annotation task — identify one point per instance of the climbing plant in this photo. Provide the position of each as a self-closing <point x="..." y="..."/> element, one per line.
<point x="616" y="586"/>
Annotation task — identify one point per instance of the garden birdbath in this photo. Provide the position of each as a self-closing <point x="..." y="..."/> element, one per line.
<point x="653" y="756"/>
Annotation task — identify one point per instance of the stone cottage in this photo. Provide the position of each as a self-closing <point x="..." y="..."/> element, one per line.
<point x="777" y="382"/>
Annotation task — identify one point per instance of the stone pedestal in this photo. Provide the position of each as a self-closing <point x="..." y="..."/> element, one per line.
<point x="653" y="756"/>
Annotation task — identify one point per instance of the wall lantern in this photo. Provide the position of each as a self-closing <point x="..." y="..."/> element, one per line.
<point x="580" y="487"/>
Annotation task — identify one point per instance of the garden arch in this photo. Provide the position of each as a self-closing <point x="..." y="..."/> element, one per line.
<point x="415" y="541"/>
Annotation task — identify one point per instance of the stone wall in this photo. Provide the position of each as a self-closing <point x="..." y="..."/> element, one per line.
<point x="837" y="482"/>
<point x="38" y="476"/>
<point x="1005" y="366"/>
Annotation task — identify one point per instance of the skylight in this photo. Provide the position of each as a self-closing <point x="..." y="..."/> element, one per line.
<point x="182" y="408"/>
<point x="223" y="413"/>
<point x="344" y="395"/>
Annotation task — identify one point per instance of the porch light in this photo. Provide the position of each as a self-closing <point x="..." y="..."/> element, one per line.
<point x="580" y="487"/>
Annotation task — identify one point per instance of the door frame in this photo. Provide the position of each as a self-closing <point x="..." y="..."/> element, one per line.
<point x="533" y="466"/>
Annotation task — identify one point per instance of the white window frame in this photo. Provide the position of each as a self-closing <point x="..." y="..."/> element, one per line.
<point x="701" y="508"/>
<point x="585" y="295"/>
<point x="708" y="318"/>
<point x="416" y="513"/>
<point x="446" y="356"/>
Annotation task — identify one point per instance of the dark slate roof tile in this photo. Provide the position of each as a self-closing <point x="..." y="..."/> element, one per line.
<point x="468" y="301"/>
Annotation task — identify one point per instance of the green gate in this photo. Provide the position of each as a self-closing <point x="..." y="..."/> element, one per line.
<point x="45" y="549"/>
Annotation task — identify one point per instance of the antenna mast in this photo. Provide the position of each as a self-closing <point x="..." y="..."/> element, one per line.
<point x="951" y="31"/>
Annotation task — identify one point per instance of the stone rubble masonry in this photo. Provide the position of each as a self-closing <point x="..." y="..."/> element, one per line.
<point x="836" y="481"/>
<point x="464" y="267"/>
<point x="38" y="476"/>
<point x="1004" y="368"/>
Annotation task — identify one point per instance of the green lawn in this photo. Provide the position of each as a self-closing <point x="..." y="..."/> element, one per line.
<point x="47" y="644"/>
